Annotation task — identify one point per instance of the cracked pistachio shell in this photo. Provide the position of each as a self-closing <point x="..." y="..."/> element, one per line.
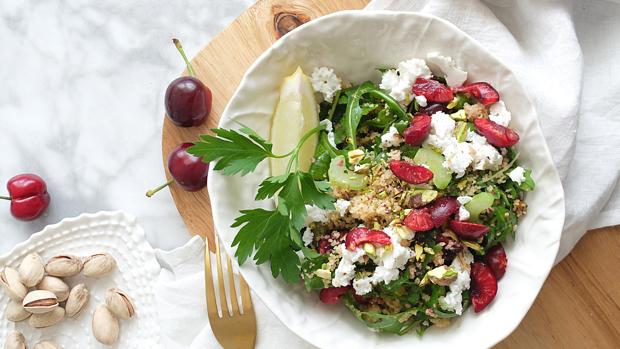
<point x="15" y="312"/>
<point x="105" y="326"/>
<point x="120" y="304"/>
<point x="40" y="301"/>
<point x="15" y="340"/>
<point x="56" y="286"/>
<point x="12" y="285"/>
<point x="47" y="319"/>
<point x="64" y="266"/>
<point x="46" y="345"/>
<point x="78" y="298"/>
<point x="31" y="270"/>
<point x="98" y="265"/>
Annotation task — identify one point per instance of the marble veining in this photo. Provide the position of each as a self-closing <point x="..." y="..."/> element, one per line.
<point x="81" y="103"/>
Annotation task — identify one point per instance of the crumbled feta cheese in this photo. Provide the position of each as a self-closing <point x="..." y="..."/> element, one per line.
<point x="421" y="100"/>
<point x="455" y="76"/>
<point x="517" y="175"/>
<point x="499" y="114"/>
<point x="331" y="137"/>
<point x="363" y="285"/>
<point x="326" y="82"/>
<point x="463" y="212"/>
<point x="316" y="214"/>
<point x="463" y="199"/>
<point x="464" y="215"/>
<point x="346" y="268"/>
<point x="453" y="300"/>
<point x="442" y="125"/>
<point x="307" y="237"/>
<point x="399" y="81"/>
<point x="391" y="139"/>
<point x="458" y="156"/>
<point x="486" y="157"/>
<point x="342" y="206"/>
<point x="384" y="274"/>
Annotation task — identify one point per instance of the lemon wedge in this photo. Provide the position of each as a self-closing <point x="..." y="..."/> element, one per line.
<point x="295" y="115"/>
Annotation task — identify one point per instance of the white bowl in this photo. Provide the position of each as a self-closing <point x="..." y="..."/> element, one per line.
<point x="137" y="271"/>
<point x="354" y="43"/>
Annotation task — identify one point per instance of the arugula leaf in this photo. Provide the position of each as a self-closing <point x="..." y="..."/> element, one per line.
<point x="528" y="184"/>
<point x="398" y="323"/>
<point x="353" y="114"/>
<point x="235" y="152"/>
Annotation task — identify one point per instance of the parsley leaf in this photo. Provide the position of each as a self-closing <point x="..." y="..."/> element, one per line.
<point x="235" y="151"/>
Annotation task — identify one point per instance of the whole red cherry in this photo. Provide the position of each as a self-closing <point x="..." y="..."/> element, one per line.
<point x="186" y="169"/>
<point x="188" y="101"/>
<point x="28" y="195"/>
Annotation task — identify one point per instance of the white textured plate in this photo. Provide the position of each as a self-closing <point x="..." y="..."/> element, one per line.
<point x="118" y="234"/>
<point x="354" y="43"/>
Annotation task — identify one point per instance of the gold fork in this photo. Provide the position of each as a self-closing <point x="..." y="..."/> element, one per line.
<point x="236" y="328"/>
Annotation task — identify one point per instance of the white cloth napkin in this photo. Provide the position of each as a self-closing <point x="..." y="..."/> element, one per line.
<point x="568" y="57"/>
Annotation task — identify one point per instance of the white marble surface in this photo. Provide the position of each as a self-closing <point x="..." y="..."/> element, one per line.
<point x="81" y="103"/>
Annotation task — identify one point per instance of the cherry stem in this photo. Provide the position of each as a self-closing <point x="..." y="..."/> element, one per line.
<point x="5" y="197"/>
<point x="152" y="192"/>
<point x="190" y="69"/>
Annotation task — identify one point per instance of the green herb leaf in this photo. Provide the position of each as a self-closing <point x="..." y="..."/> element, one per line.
<point x="528" y="184"/>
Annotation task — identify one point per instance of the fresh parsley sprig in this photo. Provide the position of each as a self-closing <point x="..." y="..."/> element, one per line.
<point x="269" y="235"/>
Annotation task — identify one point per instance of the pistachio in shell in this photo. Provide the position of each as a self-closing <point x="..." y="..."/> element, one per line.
<point x="98" y="265"/>
<point x="31" y="270"/>
<point x="77" y="300"/>
<point x="15" y="340"/>
<point x="40" y="301"/>
<point x="120" y="304"/>
<point x="46" y="345"/>
<point x="64" y="266"/>
<point x="12" y="284"/>
<point x="56" y="286"/>
<point x="105" y="326"/>
<point x="15" y="312"/>
<point x="47" y="319"/>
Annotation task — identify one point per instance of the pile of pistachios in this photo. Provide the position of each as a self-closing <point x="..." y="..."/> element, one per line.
<point x="39" y="293"/>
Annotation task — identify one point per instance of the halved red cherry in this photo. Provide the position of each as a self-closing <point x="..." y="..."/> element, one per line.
<point x="410" y="173"/>
<point x="419" y="129"/>
<point x="324" y="246"/>
<point x="442" y="208"/>
<point x="360" y="236"/>
<point x="496" y="134"/>
<point x="419" y="220"/>
<point x="332" y="295"/>
<point x="482" y="91"/>
<point x="483" y="286"/>
<point x="468" y="230"/>
<point x="496" y="260"/>
<point x="433" y="90"/>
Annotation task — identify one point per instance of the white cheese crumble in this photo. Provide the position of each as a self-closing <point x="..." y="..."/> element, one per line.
<point x="399" y="81"/>
<point x="331" y="137"/>
<point x="362" y="285"/>
<point x="342" y="206"/>
<point x="307" y="237"/>
<point x="459" y="156"/>
<point x="346" y="268"/>
<point x="389" y="263"/>
<point x="499" y="114"/>
<point x="391" y="138"/>
<point x="463" y="212"/>
<point x="455" y="76"/>
<point x="464" y="215"/>
<point x="517" y="175"/>
<point x="421" y="100"/>
<point x="316" y="214"/>
<point x="326" y="82"/>
<point x="453" y="300"/>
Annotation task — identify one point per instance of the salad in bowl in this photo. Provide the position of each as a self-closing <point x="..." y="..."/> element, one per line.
<point x="392" y="198"/>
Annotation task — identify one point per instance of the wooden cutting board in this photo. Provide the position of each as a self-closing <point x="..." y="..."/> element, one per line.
<point x="579" y="305"/>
